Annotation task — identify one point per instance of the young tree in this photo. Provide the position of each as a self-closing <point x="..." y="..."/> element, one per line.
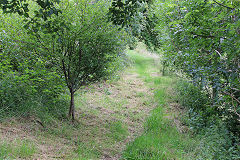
<point x="85" y="46"/>
<point x="78" y="39"/>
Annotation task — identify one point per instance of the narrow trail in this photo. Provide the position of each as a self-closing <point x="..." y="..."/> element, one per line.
<point x="124" y="103"/>
<point x="109" y="116"/>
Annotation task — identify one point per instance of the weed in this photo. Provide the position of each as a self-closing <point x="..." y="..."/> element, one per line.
<point x="140" y="94"/>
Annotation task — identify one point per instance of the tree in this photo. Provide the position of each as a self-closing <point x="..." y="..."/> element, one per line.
<point x="139" y="19"/>
<point x="85" y="46"/>
<point x="78" y="41"/>
<point x="36" y="16"/>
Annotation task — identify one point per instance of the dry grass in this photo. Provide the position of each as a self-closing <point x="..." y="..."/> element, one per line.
<point x="24" y="129"/>
<point x="125" y="101"/>
<point x="99" y="108"/>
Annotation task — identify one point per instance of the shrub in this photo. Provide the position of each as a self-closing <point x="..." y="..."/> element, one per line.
<point x="27" y="86"/>
<point x="216" y="140"/>
<point x="197" y="103"/>
<point x="20" y="98"/>
<point x="218" y="143"/>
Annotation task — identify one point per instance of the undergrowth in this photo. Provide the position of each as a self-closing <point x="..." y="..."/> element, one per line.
<point x="20" y="98"/>
<point x="216" y="140"/>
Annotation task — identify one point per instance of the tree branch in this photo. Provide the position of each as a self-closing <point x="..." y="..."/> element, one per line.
<point x="232" y="97"/>
<point x="220" y="4"/>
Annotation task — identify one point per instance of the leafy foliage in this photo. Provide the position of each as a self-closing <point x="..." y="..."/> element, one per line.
<point x="36" y="13"/>
<point x="87" y="47"/>
<point x="78" y="45"/>
<point x="28" y="85"/>
<point x="138" y="18"/>
<point x="122" y="12"/>
<point x="216" y="140"/>
<point x="202" y="41"/>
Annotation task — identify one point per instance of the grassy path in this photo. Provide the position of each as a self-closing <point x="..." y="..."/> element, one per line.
<point x="164" y="137"/>
<point x="131" y="118"/>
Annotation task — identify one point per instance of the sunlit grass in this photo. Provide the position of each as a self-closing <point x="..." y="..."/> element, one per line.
<point x="161" y="139"/>
<point x="17" y="149"/>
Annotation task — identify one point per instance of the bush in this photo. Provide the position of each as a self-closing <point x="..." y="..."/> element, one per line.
<point x="218" y="143"/>
<point x="191" y="96"/>
<point x="83" y="48"/>
<point x="27" y="86"/>
<point x="197" y="103"/>
<point x="15" y="95"/>
<point x="216" y="140"/>
<point x="20" y="98"/>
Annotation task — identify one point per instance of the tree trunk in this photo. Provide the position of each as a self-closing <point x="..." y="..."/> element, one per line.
<point x="72" y="107"/>
<point x="163" y="68"/>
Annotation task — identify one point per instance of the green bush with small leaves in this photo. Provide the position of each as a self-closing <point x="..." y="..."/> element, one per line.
<point x="216" y="141"/>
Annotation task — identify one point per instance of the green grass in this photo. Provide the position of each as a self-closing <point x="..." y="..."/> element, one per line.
<point x="141" y="63"/>
<point x="161" y="139"/>
<point x="17" y="149"/>
<point x="87" y="151"/>
<point x="118" y="131"/>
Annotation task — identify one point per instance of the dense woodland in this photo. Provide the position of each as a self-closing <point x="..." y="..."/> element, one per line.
<point x="51" y="49"/>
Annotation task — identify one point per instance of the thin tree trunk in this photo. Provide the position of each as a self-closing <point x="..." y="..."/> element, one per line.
<point x="163" y="68"/>
<point x="215" y="95"/>
<point x="72" y="107"/>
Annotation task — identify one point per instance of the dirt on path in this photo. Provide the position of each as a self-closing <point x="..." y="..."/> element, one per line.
<point x="109" y="115"/>
<point x="126" y="102"/>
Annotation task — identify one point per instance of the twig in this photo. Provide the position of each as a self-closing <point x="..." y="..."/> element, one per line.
<point x="233" y="98"/>
<point x="218" y="53"/>
<point x="39" y="122"/>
